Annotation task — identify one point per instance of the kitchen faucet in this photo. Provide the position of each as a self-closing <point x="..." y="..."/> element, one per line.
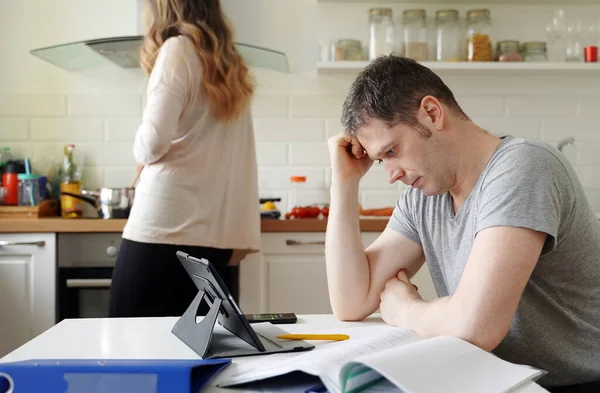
<point x="565" y="142"/>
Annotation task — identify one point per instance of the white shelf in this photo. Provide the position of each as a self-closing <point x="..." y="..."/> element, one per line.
<point x="478" y="2"/>
<point x="476" y="68"/>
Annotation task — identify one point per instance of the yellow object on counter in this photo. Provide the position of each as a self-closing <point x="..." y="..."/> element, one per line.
<point x="71" y="207"/>
<point x="269" y="206"/>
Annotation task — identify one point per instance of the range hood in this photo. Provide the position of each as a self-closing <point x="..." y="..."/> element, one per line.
<point x="114" y="50"/>
<point x="124" y="52"/>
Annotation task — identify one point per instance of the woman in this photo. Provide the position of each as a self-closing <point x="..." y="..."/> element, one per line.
<point x="198" y="190"/>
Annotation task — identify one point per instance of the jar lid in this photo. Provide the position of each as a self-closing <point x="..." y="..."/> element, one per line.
<point x="27" y="176"/>
<point x="446" y="15"/>
<point x="507" y="46"/>
<point x="298" y="179"/>
<point x="533" y="46"/>
<point x="380" y="12"/>
<point x="414" y="14"/>
<point x="349" y="42"/>
<point x="478" y="14"/>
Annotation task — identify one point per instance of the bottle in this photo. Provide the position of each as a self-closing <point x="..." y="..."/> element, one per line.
<point x="479" y="42"/>
<point x="534" y="52"/>
<point x="508" y="51"/>
<point x="447" y="29"/>
<point x="69" y="176"/>
<point x="415" y="35"/>
<point x="298" y="182"/>
<point x="382" y="33"/>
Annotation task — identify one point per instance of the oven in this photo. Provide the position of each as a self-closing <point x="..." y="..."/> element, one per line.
<point x="85" y="266"/>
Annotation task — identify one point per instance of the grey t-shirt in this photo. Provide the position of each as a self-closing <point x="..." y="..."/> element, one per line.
<point x="525" y="184"/>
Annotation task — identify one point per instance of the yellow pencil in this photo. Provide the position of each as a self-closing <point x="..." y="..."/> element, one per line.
<point x="332" y="337"/>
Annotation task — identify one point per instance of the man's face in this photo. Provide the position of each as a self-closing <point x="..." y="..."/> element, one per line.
<point x="408" y="156"/>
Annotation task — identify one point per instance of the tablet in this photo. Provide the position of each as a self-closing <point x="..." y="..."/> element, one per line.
<point x="263" y="339"/>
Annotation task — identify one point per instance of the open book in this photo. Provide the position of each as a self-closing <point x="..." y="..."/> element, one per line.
<point x="384" y="358"/>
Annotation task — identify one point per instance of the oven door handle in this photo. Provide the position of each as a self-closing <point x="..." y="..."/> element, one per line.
<point x="4" y="243"/>
<point x="88" y="283"/>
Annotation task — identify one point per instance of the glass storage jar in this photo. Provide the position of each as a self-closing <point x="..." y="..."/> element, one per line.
<point x="508" y="51"/>
<point x="447" y="29"/>
<point x="382" y="33"/>
<point x="415" y="35"/>
<point x="347" y="50"/>
<point x="29" y="189"/>
<point x="479" y="31"/>
<point x="534" y="51"/>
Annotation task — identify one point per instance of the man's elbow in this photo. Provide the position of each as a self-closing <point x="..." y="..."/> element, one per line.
<point x="347" y="316"/>
<point x="485" y="336"/>
<point x="347" y="313"/>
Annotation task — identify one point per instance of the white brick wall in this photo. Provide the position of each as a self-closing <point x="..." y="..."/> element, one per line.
<point x="292" y="132"/>
<point x="294" y="114"/>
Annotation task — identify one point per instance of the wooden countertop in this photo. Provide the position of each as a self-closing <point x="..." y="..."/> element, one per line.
<point x="31" y="225"/>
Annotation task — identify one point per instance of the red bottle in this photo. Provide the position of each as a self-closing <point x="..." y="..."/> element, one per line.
<point x="10" y="182"/>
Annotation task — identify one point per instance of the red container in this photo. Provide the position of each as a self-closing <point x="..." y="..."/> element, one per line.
<point x="591" y="54"/>
<point x="11" y="184"/>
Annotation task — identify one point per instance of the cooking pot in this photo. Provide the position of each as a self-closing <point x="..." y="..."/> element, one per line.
<point x="109" y="202"/>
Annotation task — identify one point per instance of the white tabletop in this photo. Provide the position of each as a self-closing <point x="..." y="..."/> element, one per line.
<point x="151" y="338"/>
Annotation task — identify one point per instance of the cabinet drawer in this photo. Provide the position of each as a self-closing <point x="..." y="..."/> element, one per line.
<point x="302" y="242"/>
<point x="294" y="243"/>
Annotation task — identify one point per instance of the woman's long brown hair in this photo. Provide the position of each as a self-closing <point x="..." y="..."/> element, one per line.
<point x="225" y="76"/>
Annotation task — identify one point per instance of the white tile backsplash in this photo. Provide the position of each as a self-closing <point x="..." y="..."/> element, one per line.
<point x="333" y="127"/>
<point x="66" y="129"/>
<point x="537" y="106"/>
<point x="289" y="142"/>
<point x="121" y="129"/>
<point x="33" y="105"/>
<point x="272" y="153"/>
<point x="119" y="177"/>
<point x="583" y="130"/>
<point x="107" y="154"/>
<point x="270" y="106"/>
<point x="486" y="106"/>
<point x="93" y="178"/>
<point x="317" y="105"/>
<point x="105" y="105"/>
<point x="284" y="130"/>
<point x="279" y="178"/>
<point x="308" y="153"/>
<point x="589" y="106"/>
<point x="588" y="154"/>
<point x="14" y="129"/>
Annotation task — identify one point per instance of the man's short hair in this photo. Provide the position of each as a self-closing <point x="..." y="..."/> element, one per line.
<point x="391" y="89"/>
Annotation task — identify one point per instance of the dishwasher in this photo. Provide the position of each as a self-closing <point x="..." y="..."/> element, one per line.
<point x="85" y="265"/>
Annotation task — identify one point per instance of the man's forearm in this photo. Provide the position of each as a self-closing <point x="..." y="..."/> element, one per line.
<point x="447" y="316"/>
<point x="347" y="264"/>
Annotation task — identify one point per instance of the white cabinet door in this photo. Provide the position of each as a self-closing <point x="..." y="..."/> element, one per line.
<point x="253" y="289"/>
<point x="298" y="283"/>
<point x="296" y="277"/>
<point x="27" y="287"/>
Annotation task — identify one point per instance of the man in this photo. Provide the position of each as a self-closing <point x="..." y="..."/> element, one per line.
<point x="511" y="243"/>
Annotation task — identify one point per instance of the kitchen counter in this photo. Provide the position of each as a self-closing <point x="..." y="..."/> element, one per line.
<point x="59" y="225"/>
